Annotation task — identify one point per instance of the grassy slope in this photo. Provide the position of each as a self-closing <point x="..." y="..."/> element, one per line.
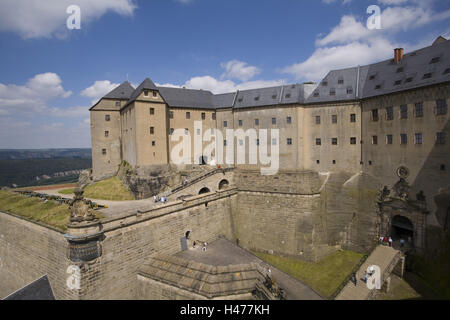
<point x="324" y="276"/>
<point x="50" y="213"/>
<point x="109" y="189"/>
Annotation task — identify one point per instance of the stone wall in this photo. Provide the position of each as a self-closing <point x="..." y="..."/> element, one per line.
<point x="27" y="252"/>
<point x="131" y="240"/>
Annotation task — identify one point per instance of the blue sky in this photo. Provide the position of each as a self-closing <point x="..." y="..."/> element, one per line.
<point x="50" y="76"/>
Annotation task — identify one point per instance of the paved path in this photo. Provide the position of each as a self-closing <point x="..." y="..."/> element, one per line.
<point x="223" y="252"/>
<point x="382" y="256"/>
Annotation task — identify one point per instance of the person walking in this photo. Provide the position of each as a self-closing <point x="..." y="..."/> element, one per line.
<point x="390" y="242"/>
<point x="354" y="280"/>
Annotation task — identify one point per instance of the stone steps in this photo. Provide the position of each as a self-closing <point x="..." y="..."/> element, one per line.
<point x="384" y="257"/>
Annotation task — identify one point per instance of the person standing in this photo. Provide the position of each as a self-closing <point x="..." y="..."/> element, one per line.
<point x="354" y="280"/>
<point x="402" y="242"/>
<point x="390" y="242"/>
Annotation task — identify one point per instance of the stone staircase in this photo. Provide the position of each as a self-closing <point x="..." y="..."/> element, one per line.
<point x="384" y="257"/>
<point x="196" y="179"/>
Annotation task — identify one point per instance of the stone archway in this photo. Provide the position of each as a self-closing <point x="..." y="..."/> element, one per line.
<point x="204" y="190"/>
<point x="402" y="228"/>
<point x="223" y="184"/>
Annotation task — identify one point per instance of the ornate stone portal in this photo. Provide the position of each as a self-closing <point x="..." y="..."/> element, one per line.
<point x="397" y="206"/>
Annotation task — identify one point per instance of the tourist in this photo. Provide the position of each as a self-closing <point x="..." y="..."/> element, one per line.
<point x="354" y="278"/>
<point x="402" y="242"/>
<point x="155" y="198"/>
<point x="381" y="239"/>
<point x="390" y="242"/>
<point x="365" y="276"/>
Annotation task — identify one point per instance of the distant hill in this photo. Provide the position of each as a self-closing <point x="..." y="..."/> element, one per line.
<point x="23" y="168"/>
<point x="13" y="154"/>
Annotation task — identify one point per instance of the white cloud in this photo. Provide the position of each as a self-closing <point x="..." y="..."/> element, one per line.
<point x="32" y="96"/>
<point x="236" y="69"/>
<point x="36" y="19"/>
<point x="349" y="29"/>
<point x="99" y="89"/>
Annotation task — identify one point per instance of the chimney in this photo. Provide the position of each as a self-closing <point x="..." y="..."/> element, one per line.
<point x="398" y="55"/>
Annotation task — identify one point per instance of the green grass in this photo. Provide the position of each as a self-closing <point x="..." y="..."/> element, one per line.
<point x="67" y="191"/>
<point x="109" y="189"/>
<point x="399" y="290"/>
<point x="324" y="276"/>
<point x="50" y="212"/>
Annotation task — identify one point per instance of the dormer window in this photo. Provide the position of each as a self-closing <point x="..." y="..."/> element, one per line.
<point x="316" y="94"/>
<point x="349" y="90"/>
<point x="154" y="94"/>
<point x="408" y="80"/>
<point x="274" y="96"/>
<point x="427" y="75"/>
<point x="372" y="77"/>
<point x="435" y="60"/>
<point x="117" y="103"/>
<point x="332" y="92"/>
<point x="341" y="81"/>
<point x="257" y="98"/>
<point x="398" y="82"/>
<point x="378" y="87"/>
<point x="447" y="71"/>
<point x="145" y="93"/>
<point x="288" y="95"/>
<point x="240" y="99"/>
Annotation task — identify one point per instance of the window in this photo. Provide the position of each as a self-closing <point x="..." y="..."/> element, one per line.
<point x="288" y="120"/>
<point x="240" y="99"/>
<point x="390" y="113"/>
<point x="375" y="115"/>
<point x="404" y="111"/>
<point x="152" y="130"/>
<point x="334" y="141"/>
<point x="153" y="143"/>
<point x="106" y="134"/>
<point x="274" y="141"/>
<point x="447" y="71"/>
<point x="372" y="77"/>
<point x="442" y="167"/>
<point x="288" y="95"/>
<point x="441" y="106"/>
<point x="418" y="138"/>
<point x="332" y="92"/>
<point x="418" y="110"/>
<point x="370" y="162"/>
<point x="318" y="161"/>
<point x="427" y="75"/>
<point x="317" y="119"/>
<point x="107" y="117"/>
<point x="214" y="116"/>
<point x="440" y="138"/>
<point x="349" y="90"/>
<point x="103" y="151"/>
<point x="353" y="117"/>
<point x="170" y="114"/>
<point x="289" y="141"/>
<point x="334" y="118"/>
<point x="353" y="140"/>
<point x="152" y="111"/>
<point x="318" y="142"/>
<point x="374" y="139"/>
<point x="172" y="130"/>
<point x="225" y="143"/>
<point x="225" y="124"/>
<point x="435" y="60"/>
<point x="378" y="87"/>
<point x="389" y="139"/>
<point x="398" y="82"/>
<point x="117" y="103"/>
<point x="410" y="79"/>
<point x="154" y="94"/>
<point x="403" y="138"/>
<point x="340" y="81"/>
<point x="241" y="142"/>
<point x="145" y="93"/>
<point x="316" y="93"/>
<point x="334" y="161"/>
<point x="203" y="116"/>
<point x="257" y="142"/>
<point x="188" y="115"/>
<point x="274" y="96"/>
<point x="240" y="123"/>
<point x="274" y="120"/>
<point x="186" y="131"/>
<point x="256" y="122"/>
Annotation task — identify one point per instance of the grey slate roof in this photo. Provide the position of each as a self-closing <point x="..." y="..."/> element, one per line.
<point x="338" y="85"/>
<point x="180" y="97"/>
<point x="36" y="290"/>
<point x="123" y="92"/>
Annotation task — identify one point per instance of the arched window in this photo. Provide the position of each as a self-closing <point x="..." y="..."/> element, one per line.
<point x="223" y="184"/>
<point x="204" y="190"/>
